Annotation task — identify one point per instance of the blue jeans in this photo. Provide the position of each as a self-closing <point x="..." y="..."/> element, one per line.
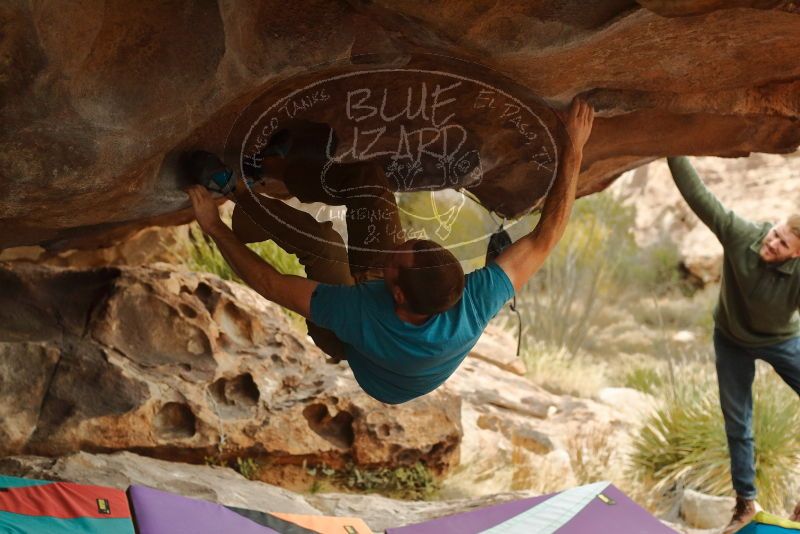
<point x="736" y="367"/>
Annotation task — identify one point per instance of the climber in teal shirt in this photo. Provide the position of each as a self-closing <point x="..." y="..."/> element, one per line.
<point x="393" y="360"/>
<point x="405" y="324"/>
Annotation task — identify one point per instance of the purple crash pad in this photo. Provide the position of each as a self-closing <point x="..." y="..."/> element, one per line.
<point x="472" y="521"/>
<point x="622" y="517"/>
<point x="159" y="512"/>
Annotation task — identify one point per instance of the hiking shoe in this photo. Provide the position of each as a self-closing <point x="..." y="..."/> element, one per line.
<point x="743" y="513"/>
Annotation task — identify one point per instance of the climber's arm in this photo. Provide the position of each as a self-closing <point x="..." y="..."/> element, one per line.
<point x="292" y="292"/>
<point x="522" y="259"/>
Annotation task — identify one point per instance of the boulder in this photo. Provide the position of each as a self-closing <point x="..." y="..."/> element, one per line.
<point x="518" y="436"/>
<point x="499" y="347"/>
<point x="182" y="366"/>
<point x="703" y="511"/>
<point x="636" y="404"/>
<point x="100" y="101"/>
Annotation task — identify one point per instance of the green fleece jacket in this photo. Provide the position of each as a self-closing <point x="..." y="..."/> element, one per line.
<point x="758" y="301"/>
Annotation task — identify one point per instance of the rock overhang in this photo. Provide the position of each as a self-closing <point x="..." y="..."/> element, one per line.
<point x="98" y="104"/>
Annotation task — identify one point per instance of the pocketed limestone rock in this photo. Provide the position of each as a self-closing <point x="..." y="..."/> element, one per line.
<point x="703" y="511"/>
<point x="183" y="366"/>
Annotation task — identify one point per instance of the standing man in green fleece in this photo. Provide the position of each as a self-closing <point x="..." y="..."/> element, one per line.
<point x="756" y="317"/>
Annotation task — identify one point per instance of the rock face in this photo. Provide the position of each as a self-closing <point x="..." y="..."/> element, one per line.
<point x="518" y="436"/>
<point x="762" y="187"/>
<point x="143" y="247"/>
<point x="98" y="101"/>
<point x="705" y="511"/>
<point x="181" y="366"/>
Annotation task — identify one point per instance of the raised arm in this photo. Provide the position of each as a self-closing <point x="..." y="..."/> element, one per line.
<point x="702" y="201"/>
<point x="526" y="256"/>
<point x="292" y="292"/>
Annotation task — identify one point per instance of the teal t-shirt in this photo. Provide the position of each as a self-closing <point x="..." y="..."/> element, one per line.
<point x="394" y="361"/>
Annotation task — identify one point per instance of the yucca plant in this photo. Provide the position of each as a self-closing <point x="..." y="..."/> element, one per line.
<point x="683" y="445"/>
<point x="776" y="424"/>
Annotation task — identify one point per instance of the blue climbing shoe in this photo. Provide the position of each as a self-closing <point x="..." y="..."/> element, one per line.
<point x="209" y="171"/>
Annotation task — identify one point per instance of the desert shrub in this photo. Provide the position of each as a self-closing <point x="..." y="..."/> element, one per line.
<point x="579" y="277"/>
<point x="562" y="372"/>
<point x="596" y="265"/>
<point x="645" y="379"/>
<point x="654" y="269"/>
<point x="247" y="467"/>
<point x="684" y="443"/>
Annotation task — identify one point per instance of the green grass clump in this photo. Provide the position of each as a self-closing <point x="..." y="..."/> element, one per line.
<point x="644" y="379"/>
<point x="247" y="467"/>
<point x="415" y="482"/>
<point x="684" y="444"/>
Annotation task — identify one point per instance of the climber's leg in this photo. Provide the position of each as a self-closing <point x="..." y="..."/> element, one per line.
<point x="318" y="247"/>
<point x="373" y="221"/>
<point x="299" y="155"/>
